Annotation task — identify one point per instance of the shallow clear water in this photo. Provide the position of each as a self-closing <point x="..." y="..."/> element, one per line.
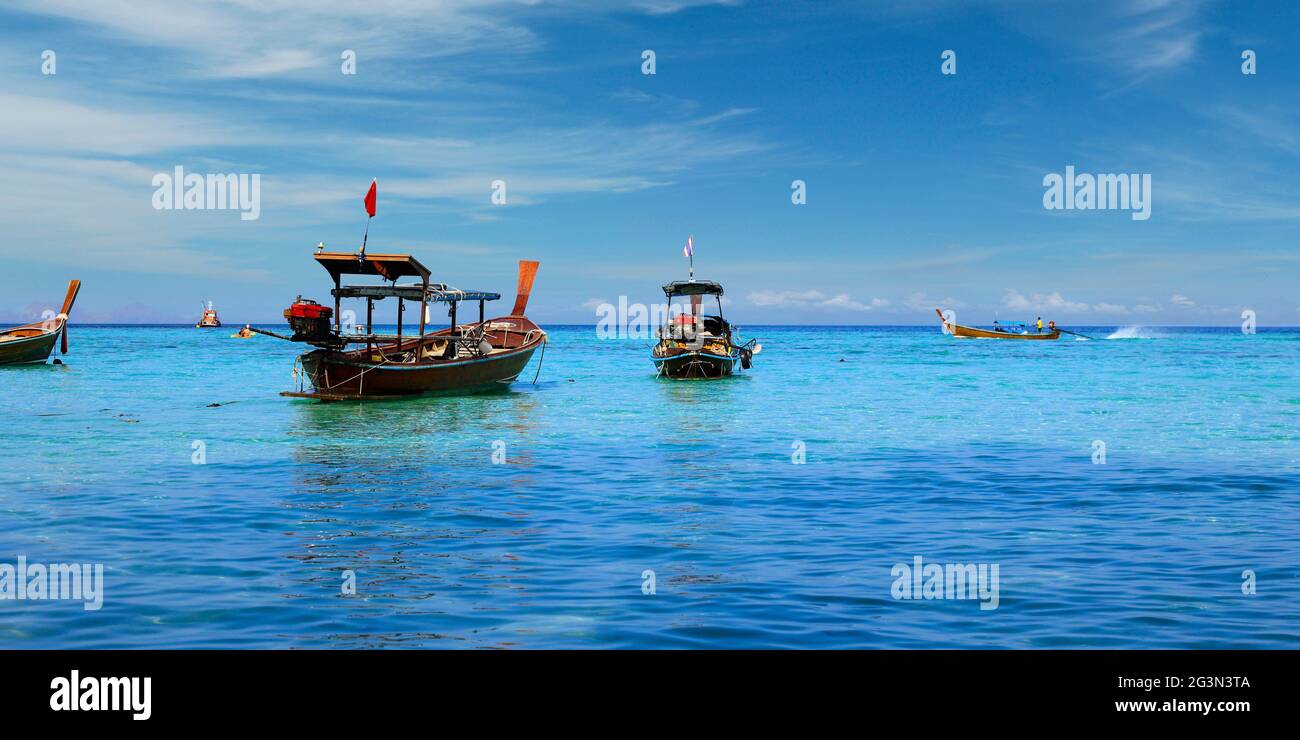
<point x="916" y="444"/>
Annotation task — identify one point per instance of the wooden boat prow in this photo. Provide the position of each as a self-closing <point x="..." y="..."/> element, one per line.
<point x="970" y="332"/>
<point x="32" y="343"/>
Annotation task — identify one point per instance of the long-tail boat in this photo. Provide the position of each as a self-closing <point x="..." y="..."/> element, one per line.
<point x="34" y="342"/>
<point x="695" y="346"/>
<point x="1008" y="331"/>
<point x="487" y="353"/>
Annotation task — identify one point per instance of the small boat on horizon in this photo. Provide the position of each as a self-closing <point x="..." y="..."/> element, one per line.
<point x="488" y="353"/>
<point x="209" y="320"/>
<point x="695" y="346"/>
<point x="1000" y="331"/>
<point x="32" y="343"/>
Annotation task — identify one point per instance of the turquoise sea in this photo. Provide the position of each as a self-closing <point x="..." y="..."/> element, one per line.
<point x="912" y="444"/>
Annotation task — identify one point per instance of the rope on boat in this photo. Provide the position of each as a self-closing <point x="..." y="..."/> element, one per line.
<point x="359" y="377"/>
<point x="540" y="358"/>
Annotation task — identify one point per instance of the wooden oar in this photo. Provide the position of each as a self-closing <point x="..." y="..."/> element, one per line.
<point x="74" y="286"/>
<point x="1075" y="333"/>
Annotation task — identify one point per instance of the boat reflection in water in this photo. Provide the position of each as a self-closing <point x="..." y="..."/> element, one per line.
<point x="431" y="530"/>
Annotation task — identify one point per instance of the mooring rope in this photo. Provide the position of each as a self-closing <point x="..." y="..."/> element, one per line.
<point x="360" y="377"/>
<point x="541" y="358"/>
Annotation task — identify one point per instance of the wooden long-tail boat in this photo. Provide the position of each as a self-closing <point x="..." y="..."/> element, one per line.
<point x="695" y="346"/>
<point x="488" y="353"/>
<point x="34" y="342"/>
<point x="970" y="332"/>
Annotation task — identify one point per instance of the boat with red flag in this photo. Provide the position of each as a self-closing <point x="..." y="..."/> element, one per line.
<point x="32" y="343"/>
<point x="465" y="356"/>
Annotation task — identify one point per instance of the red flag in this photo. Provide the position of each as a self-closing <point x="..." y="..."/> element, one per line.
<point x="371" y="196"/>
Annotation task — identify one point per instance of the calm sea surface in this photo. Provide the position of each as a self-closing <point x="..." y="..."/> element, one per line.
<point x="914" y="444"/>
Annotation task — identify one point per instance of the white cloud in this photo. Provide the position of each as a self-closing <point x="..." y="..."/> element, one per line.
<point x="1110" y="308"/>
<point x="1179" y="299"/>
<point x="1165" y="30"/>
<point x="844" y="301"/>
<point x="77" y="158"/>
<point x="115" y="226"/>
<point x="261" y="38"/>
<point x="811" y="299"/>
<point x="1016" y="301"/>
<point x="46" y="124"/>
<point x="1142" y="36"/>
<point x="920" y="301"/>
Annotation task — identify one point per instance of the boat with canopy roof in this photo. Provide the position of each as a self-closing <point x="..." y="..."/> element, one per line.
<point x="476" y="355"/>
<point x="999" y="331"/>
<point x="692" y="345"/>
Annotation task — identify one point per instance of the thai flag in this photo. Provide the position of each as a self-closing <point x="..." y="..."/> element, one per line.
<point x="689" y="249"/>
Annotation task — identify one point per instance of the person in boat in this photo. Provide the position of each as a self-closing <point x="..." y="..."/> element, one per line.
<point x="1051" y="325"/>
<point x="1040" y="325"/>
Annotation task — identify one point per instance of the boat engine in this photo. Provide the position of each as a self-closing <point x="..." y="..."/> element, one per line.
<point x="309" y="320"/>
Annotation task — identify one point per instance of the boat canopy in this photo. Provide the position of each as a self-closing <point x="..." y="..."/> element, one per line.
<point x="436" y="293"/>
<point x="388" y="266"/>
<point x="692" y="287"/>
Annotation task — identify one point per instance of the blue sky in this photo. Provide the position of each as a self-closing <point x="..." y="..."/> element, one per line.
<point x="923" y="190"/>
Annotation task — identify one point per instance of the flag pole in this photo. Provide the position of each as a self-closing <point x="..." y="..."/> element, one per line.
<point x="369" y="201"/>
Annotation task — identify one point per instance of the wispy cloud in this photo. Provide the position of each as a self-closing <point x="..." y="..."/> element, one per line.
<point x="605" y="167"/>
<point x="1155" y="34"/>
<point x="97" y="144"/>
<point x="811" y="299"/>
<point x="922" y="302"/>
<point x="1016" y="301"/>
<point x="259" y="38"/>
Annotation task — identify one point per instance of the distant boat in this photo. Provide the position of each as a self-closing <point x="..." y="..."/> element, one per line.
<point x="488" y="353"/>
<point x="1008" y="331"/>
<point x="695" y="346"/>
<point x="209" y="320"/>
<point x="34" y="342"/>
